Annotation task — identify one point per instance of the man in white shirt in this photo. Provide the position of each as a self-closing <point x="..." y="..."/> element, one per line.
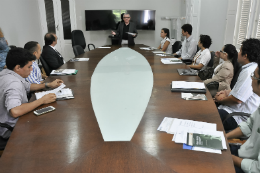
<point x="189" y="46"/>
<point x="241" y="98"/>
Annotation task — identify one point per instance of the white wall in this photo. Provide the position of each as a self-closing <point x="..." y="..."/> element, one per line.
<point x="151" y="38"/>
<point x="213" y="21"/>
<point x="20" y="21"/>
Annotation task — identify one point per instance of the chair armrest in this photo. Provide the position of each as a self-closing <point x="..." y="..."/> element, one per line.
<point x="6" y="126"/>
<point x="91" y="45"/>
<point x="236" y="114"/>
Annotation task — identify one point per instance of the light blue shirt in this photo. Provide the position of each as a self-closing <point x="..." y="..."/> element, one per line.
<point x="35" y="76"/>
<point x="188" y="49"/>
<point x="243" y="91"/>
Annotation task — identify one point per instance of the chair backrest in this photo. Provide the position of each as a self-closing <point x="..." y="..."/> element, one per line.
<point x="77" y="38"/>
<point x="3" y="141"/>
<point x="211" y="62"/>
<point x="235" y="77"/>
<point x="176" y="46"/>
<point x="45" y="66"/>
<point x="78" y="50"/>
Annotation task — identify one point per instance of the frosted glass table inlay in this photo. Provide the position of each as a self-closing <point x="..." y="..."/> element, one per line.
<point x="121" y="87"/>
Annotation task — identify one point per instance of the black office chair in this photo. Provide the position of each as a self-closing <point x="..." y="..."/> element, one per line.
<point x="78" y="50"/>
<point x="235" y="77"/>
<point x="4" y="141"/>
<point x="211" y="62"/>
<point x="176" y="46"/>
<point x="45" y="67"/>
<point x="77" y="38"/>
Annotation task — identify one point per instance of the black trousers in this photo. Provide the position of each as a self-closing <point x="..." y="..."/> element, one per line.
<point x="234" y="151"/>
<point x="229" y="124"/>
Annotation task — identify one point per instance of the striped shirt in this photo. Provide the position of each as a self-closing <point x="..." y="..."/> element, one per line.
<point x="35" y="76"/>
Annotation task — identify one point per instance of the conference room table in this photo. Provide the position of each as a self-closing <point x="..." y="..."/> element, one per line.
<point x="69" y="139"/>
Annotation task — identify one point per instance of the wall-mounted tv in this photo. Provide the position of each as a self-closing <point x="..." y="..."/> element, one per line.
<point x="109" y="19"/>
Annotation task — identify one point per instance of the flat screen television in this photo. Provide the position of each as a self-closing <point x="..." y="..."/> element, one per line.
<point x="110" y="19"/>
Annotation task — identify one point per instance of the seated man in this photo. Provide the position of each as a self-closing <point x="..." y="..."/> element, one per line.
<point x="14" y="89"/>
<point x="36" y="76"/>
<point x="189" y="46"/>
<point x="52" y="57"/>
<point x="241" y="98"/>
<point x="247" y="156"/>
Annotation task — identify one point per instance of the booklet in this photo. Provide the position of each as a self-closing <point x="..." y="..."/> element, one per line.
<point x="187" y="72"/>
<point x="203" y="140"/>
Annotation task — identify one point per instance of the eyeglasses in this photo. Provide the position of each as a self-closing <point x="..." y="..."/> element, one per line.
<point x="253" y="76"/>
<point x="222" y="51"/>
<point x="127" y="17"/>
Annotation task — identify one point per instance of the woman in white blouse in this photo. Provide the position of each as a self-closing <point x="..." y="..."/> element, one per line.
<point x="203" y="56"/>
<point x="165" y="45"/>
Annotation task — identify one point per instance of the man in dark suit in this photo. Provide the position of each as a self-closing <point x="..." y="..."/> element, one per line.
<point x="124" y="27"/>
<point x="52" y="57"/>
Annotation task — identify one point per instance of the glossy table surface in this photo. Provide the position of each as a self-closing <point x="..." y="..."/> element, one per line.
<point x="69" y="139"/>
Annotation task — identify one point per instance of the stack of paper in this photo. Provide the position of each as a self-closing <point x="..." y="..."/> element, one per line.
<point x="171" y="61"/>
<point x="188" y="87"/>
<point x="64" y="72"/>
<point x="61" y="93"/>
<point x="158" y="52"/>
<point x="181" y="127"/>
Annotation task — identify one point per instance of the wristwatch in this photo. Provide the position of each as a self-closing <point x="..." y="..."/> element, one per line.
<point x="46" y="86"/>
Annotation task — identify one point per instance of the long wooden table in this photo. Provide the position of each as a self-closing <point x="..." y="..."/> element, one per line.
<point x="69" y="139"/>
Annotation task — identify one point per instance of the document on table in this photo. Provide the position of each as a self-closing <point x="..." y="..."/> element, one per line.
<point x="158" y="52"/>
<point x="56" y="90"/>
<point x="179" y="123"/>
<point x="63" y="71"/>
<point x="130" y="33"/>
<point x="64" y="93"/>
<point x="79" y="59"/>
<point x="104" y="47"/>
<point x="147" y="48"/>
<point x="170" y="60"/>
<point x="193" y="96"/>
<point x="188" y="85"/>
<point x="181" y="135"/>
<point x="165" y="124"/>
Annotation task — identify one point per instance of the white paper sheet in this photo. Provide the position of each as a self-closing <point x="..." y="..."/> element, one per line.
<point x="170" y="61"/>
<point x="63" y="71"/>
<point x="188" y="85"/>
<point x="41" y="94"/>
<point x="104" y="47"/>
<point x="165" y="124"/>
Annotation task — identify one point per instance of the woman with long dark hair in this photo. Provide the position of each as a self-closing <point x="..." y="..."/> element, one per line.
<point x="224" y="72"/>
<point x="165" y="45"/>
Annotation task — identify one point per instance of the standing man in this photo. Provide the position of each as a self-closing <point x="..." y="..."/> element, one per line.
<point x="52" y="57"/>
<point x="126" y="31"/>
<point x="189" y="46"/>
<point x="35" y="77"/>
<point x="14" y="89"/>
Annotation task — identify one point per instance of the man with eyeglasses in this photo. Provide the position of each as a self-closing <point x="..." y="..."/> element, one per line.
<point x="246" y="158"/>
<point x="241" y="98"/>
<point x="126" y="31"/>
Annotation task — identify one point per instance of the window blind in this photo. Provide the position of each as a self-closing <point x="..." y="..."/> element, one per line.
<point x="258" y="29"/>
<point x="244" y="20"/>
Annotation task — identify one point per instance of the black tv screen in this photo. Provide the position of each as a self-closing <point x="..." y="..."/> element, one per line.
<point x="110" y="19"/>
